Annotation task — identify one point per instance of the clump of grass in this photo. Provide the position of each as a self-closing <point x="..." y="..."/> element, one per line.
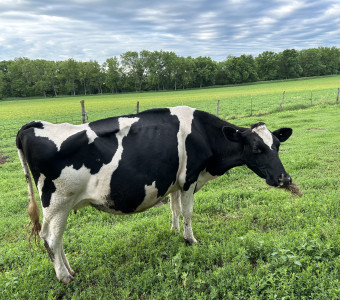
<point x="293" y="188"/>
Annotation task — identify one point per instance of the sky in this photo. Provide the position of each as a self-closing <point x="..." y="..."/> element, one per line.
<point x="99" y="29"/>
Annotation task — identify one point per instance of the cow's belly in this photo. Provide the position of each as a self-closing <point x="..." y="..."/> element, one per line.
<point x="129" y="203"/>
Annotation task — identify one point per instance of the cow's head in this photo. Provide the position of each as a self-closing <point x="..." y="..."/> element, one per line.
<point x="260" y="152"/>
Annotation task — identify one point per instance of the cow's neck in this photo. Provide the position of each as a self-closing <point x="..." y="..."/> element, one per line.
<point x="226" y="154"/>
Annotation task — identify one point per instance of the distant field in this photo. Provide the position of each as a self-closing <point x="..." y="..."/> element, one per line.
<point x="254" y="241"/>
<point x="235" y="101"/>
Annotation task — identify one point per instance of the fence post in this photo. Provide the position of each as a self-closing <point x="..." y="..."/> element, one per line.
<point x="251" y="105"/>
<point x="137" y="107"/>
<point x="337" y="97"/>
<point x="311" y="97"/>
<point x="82" y="111"/>
<point x="218" y="107"/>
<point x="283" y="97"/>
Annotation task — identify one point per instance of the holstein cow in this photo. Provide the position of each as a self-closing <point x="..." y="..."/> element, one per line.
<point x="127" y="164"/>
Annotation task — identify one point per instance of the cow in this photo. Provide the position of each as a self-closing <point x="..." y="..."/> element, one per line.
<point x="128" y="164"/>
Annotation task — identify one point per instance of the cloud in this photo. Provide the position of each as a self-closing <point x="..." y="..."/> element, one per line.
<point x="99" y="29"/>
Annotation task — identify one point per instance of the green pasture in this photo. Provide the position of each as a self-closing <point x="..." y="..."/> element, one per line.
<point x="254" y="241"/>
<point x="235" y="101"/>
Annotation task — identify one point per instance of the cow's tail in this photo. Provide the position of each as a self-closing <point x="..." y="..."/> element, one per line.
<point x="33" y="208"/>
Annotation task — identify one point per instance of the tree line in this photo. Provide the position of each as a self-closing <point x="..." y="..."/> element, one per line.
<point x="158" y="70"/>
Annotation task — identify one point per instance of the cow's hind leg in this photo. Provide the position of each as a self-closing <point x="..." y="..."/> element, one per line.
<point x="187" y="200"/>
<point x="53" y="227"/>
<point x="175" y="203"/>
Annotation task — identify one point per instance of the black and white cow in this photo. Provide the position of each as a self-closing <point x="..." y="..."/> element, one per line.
<point x="127" y="164"/>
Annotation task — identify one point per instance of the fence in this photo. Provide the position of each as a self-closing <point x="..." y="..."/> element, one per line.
<point x="224" y="108"/>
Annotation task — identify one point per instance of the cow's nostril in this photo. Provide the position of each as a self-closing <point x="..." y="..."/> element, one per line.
<point x="284" y="180"/>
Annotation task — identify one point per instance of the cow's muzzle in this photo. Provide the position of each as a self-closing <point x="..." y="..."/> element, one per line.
<point x="285" y="180"/>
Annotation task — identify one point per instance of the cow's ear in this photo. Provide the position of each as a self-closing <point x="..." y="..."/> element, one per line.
<point x="283" y="134"/>
<point x="231" y="134"/>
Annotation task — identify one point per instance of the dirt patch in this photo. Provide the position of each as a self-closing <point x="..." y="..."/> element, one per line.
<point x="3" y="158"/>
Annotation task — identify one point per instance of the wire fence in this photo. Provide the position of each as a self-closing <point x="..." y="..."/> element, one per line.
<point x="224" y="108"/>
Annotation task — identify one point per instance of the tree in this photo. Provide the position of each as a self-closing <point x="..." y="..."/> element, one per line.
<point x="240" y="69"/>
<point x="135" y="67"/>
<point x="44" y="77"/>
<point x="69" y="72"/>
<point x="289" y="66"/>
<point x="19" y="76"/>
<point x="97" y="76"/>
<point x="156" y="71"/>
<point x="184" y="71"/>
<point x="166" y="69"/>
<point x="267" y="65"/>
<point x="113" y="74"/>
<point x="4" y="81"/>
<point x="2" y="84"/>
<point x="205" y="70"/>
<point x="330" y="58"/>
<point x="53" y="76"/>
<point x="85" y="74"/>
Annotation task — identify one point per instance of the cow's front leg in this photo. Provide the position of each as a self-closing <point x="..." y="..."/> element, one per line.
<point x="187" y="199"/>
<point x="52" y="233"/>
<point x="175" y="203"/>
<point x="67" y="264"/>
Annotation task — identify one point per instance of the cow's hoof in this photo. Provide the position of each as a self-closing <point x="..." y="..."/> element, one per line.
<point x="67" y="280"/>
<point x="190" y="242"/>
<point x="72" y="272"/>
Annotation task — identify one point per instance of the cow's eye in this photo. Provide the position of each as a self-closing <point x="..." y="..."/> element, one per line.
<point x="257" y="150"/>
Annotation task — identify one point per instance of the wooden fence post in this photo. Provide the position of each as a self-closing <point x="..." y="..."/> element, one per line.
<point x="311" y="97"/>
<point x="137" y="107"/>
<point x="251" y="105"/>
<point x="337" y="97"/>
<point x="82" y="111"/>
<point x="218" y="107"/>
<point x="283" y="97"/>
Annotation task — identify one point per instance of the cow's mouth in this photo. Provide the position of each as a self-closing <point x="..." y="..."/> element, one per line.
<point x="284" y="180"/>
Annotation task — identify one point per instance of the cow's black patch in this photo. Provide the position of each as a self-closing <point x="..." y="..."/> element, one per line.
<point x="208" y="149"/>
<point x="47" y="191"/>
<point x="150" y="154"/>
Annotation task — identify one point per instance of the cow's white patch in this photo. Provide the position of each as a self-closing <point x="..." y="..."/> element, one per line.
<point x="264" y="134"/>
<point x="71" y="182"/>
<point x="98" y="186"/>
<point x="203" y="178"/>
<point x="58" y="133"/>
<point x="187" y="201"/>
<point x="185" y="116"/>
<point x="176" y="208"/>
<point x="150" y="199"/>
<point x="40" y="183"/>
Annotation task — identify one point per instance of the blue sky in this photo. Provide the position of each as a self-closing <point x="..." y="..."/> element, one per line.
<point x="99" y="29"/>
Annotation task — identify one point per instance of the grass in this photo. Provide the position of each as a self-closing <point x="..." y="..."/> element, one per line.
<point x="235" y="100"/>
<point x="255" y="242"/>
